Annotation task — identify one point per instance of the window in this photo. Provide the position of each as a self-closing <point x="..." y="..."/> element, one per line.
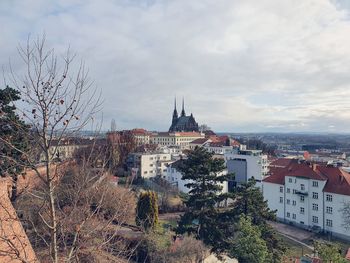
<point x="294" y="216"/>
<point x="281" y="199"/>
<point x="314" y="195"/>
<point x="315" y="207"/>
<point x="329" y="210"/>
<point x="288" y="190"/>
<point x="151" y="158"/>
<point x="145" y="172"/>
<point x="294" y="191"/>
<point x="151" y="164"/>
<point x="302" y="187"/>
<point x="329" y="222"/>
<point x="294" y="202"/>
<point x="329" y="198"/>
<point x="302" y="198"/>
<point x="302" y="210"/>
<point x="288" y="214"/>
<point x="281" y="189"/>
<point x="301" y="222"/>
<point x="315" y="219"/>
<point x="314" y="183"/>
<point x="290" y="180"/>
<point x="288" y="201"/>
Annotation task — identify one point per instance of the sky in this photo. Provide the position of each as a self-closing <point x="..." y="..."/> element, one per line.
<point x="242" y="66"/>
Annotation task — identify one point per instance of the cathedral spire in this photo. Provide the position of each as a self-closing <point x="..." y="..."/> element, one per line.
<point x="183" y="107"/>
<point x="175" y="104"/>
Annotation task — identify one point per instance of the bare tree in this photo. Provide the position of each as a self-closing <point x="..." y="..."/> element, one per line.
<point x="59" y="100"/>
<point x="92" y="212"/>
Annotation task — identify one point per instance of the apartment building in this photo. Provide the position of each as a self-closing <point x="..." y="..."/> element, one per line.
<point x="246" y="164"/>
<point x="149" y="164"/>
<point x="309" y="196"/>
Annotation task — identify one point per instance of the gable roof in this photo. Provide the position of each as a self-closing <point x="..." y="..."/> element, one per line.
<point x="337" y="180"/>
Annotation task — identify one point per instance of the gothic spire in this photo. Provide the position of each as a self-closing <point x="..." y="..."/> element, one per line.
<point x="183" y="107"/>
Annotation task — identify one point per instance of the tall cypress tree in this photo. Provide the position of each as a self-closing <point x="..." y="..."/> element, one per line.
<point x="13" y="134"/>
<point x="203" y="218"/>
<point x="147" y="210"/>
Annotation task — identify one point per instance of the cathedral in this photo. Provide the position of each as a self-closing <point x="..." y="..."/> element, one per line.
<point x="183" y="123"/>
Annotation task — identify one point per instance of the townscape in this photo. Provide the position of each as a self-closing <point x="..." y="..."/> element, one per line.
<point x="181" y="155"/>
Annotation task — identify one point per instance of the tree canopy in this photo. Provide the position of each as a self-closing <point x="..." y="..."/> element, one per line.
<point x="203" y="218"/>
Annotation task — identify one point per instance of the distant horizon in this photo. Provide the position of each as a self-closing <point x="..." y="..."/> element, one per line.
<point x="240" y="65"/>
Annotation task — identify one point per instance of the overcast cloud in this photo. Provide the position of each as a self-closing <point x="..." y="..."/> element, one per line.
<point x="249" y="65"/>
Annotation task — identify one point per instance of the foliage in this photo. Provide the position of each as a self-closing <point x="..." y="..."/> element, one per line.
<point x="329" y="252"/>
<point x="203" y="218"/>
<point x="13" y="134"/>
<point x="158" y="247"/>
<point x="249" y="245"/>
<point x="147" y="210"/>
<point x="250" y="202"/>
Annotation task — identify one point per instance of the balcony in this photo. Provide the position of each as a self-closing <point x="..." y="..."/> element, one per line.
<point x="300" y="192"/>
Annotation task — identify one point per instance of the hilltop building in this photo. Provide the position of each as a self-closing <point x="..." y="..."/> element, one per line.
<point x="183" y="123"/>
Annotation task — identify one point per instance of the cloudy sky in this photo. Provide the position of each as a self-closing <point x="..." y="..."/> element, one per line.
<point x="249" y="65"/>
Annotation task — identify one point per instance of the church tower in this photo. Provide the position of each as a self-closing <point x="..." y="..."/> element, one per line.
<point x="175" y="116"/>
<point x="183" y="108"/>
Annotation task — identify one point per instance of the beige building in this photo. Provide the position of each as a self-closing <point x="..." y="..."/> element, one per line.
<point x="142" y="137"/>
<point x="180" y="139"/>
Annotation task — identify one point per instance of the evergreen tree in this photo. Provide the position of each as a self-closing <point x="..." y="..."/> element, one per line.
<point x="250" y="202"/>
<point x="147" y="210"/>
<point x="13" y="134"/>
<point x="249" y="247"/>
<point x="203" y="218"/>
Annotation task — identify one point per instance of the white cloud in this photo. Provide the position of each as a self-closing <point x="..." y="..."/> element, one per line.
<point x="241" y="65"/>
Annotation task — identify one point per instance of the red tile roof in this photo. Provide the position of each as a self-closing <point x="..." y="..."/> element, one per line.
<point x="139" y="131"/>
<point x="281" y="162"/>
<point x="200" y="141"/>
<point x="189" y="134"/>
<point x="338" y="181"/>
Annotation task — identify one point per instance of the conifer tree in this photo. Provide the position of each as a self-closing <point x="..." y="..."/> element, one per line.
<point x="13" y="134"/>
<point x="249" y="246"/>
<point x="147" y="210"/>
<point x="203" y="218"/>
<point x="250" y="202"/>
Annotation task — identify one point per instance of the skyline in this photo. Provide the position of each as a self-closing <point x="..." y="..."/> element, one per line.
<point x="242" y="66"/>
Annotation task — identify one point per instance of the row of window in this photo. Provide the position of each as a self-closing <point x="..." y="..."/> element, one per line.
<point x="314" y="183"/>
<point x="329" y="198"/>
<point x="329" y="222"/>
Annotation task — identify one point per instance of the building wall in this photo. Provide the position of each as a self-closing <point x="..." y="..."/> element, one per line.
<point x="174" y="139"/>
<point x="274" y="193"/>
<point x="329" y="215"/>
<point x="336" y="216"/>
<point x="152" y="165"/>
<point x="256" y="165"/>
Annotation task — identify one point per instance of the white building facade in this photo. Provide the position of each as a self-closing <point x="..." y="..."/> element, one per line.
<point x="246" y="164"/>
<point x="180" y="139"/>
<point x="150" y="164"/>
<point x="310" y="197"/>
